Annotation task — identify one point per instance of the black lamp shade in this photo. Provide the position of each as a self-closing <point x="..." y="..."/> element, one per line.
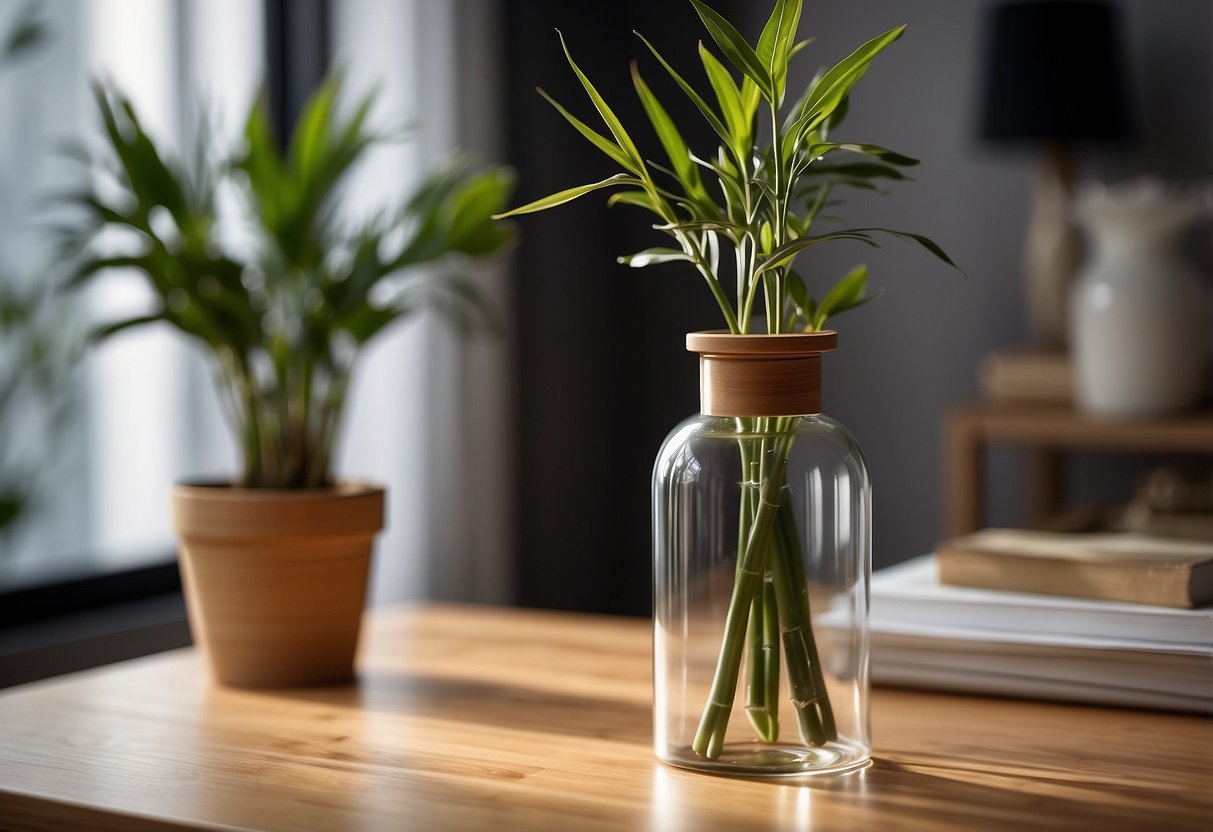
<point x="1054" y="72"/>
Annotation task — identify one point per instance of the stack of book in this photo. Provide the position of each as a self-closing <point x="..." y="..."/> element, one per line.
<point x="1006" y="619"/>
<point x="1027" y="376"/>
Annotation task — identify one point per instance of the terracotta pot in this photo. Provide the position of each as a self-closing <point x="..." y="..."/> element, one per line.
<point x="275" y="581"/>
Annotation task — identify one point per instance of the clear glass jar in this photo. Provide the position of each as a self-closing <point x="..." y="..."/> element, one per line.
<point x="762" y="557"/>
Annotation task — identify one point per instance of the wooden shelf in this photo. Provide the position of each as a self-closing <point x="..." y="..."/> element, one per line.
<point x="469" y="718"/>
<point x="1047" y="432"/>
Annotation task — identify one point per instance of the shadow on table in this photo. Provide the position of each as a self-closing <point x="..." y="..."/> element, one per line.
<point x="485" y="703"/>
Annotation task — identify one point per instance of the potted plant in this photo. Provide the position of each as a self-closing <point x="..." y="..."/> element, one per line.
<point x="275" y="563"/>
<point x="761" y="504"/>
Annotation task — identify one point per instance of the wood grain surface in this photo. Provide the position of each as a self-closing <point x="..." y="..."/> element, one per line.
<point x="470" y="718"/>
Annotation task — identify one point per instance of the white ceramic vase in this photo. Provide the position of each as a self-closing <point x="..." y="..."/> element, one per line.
<point x="1139" y="312"/>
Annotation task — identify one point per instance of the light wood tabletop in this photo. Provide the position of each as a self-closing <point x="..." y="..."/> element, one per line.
<point x="471" y="718"/>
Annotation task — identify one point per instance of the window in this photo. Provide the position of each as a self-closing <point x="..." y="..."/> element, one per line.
<point x="427" y="412"/>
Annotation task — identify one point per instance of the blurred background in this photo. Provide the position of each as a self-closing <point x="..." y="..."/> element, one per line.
<point x="518" y="467"/>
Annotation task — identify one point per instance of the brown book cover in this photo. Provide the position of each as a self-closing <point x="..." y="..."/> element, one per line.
<point x="1027" y="375"/>
<point x="1139" y="568"/>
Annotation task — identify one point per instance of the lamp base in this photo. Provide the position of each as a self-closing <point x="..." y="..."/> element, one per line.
<point x="1052" y="249"/>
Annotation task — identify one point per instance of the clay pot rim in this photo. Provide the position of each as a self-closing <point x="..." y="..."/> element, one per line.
<point x="723" y="342"/>
<point x="221" y="510"/>
<point x="226" y="491"/>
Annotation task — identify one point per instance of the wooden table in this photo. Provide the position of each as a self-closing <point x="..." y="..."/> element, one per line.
<point x="479" y="718"/>
<point x="1046" y="431"/>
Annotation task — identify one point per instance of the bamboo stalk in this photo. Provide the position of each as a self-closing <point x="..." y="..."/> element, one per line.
<point x="805" y="692"/>
<point x="759" y="693"/>
<point x="804" y="643"/>
<point x="709" y="738"/>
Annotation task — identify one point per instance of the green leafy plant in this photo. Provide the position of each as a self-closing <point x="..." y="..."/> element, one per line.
<point x="285" y="321"/>
<point x="762" y="201"/>
<point x="750" y="207"/>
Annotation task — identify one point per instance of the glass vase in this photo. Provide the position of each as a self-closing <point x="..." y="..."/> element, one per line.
<point x="762" y="553"/>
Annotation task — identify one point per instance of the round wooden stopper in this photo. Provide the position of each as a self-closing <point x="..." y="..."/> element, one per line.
<point x="760" y="375"/>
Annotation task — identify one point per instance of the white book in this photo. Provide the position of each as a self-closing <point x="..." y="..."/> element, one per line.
<point x="910" y="593"/>
<point x="892" y="669"/>
<point x="1116" y="666"/>
<point x="927" y="635"/>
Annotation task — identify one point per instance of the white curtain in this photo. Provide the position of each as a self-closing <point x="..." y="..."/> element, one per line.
<point x="153" y="418"/>
<point x="430" y="413"/>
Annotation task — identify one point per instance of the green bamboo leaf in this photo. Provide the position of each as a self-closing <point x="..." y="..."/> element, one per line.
<point x="640" y="199"/>
<point x="857" y="170"/>
<point x="766" y="238"/>
<point x="784" y="40"/>
<point x="649" y="202"/>
<point x="828" y="93"/>
<point x="608" y="117"/>
<point x="845" y="293"/>
<point x="786" y="252"/>
<point x="568" y="195"/>
<point x="686" y="171"/>
<point x="926" y="242"/>
<point x="775" y="51"/>
<point x="653" y="257"/>
<point x="735" y="48"/>
<point x="804" y="309"/>
<point x="750" y="98"/>
<point x="657" y="203"/>
<point x="819" y="149"/>
<point x="836" y="117"/>
<point x="863" y="301"/>
<point x="799" y="47"/>
<point x="729" y="98"/>
<point x="660" y="168"/>
<point x="708" y="113"/>
<point x="729" y="180"/>
<point x="731" y="229"/>
<point x="614" y="151"/>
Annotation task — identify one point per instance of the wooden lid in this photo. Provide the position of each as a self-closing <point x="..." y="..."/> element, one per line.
<point x="760" y="375"/>
<point x="723" y="342"/>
